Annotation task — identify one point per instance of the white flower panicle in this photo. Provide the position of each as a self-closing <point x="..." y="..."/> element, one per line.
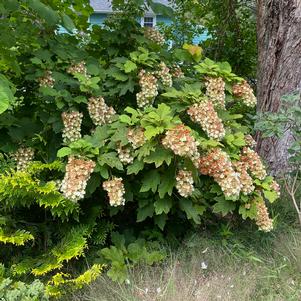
<point x="180" y="140"/>
<point x="218" y="165"/>
<point x="72" y="126"/>
<point x="78" y="68"/>
<point x="164" y="75"/>
<point x="215" y="90"/>
<point x="23" y="156"/>
<point x="244" y="91"/>
<point x="136" y="137"/>
<point x="184" y="183"/>
<point x="275" y="187"/>
<point x="47" y="80"/>
<point x="78" y="172"/>
<point x="253" y="163"/>
<point x="125" y="154"/>
<point x="115" y="190"/>
<point x="99" y="111"/>
<point x="177" y="72"/>
<point x="154" y="35"/>
<point x="250" y="142"/>
<point x="263" y="221"/>
<point x="149" y="89"/>
<point x="245" y="179"/>
<point x="204" y="114"/>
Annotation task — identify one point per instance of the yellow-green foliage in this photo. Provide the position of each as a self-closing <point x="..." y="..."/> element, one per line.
<point x="18" y="237"/>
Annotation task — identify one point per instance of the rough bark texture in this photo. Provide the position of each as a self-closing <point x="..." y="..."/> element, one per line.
<point x="279" y="62"/>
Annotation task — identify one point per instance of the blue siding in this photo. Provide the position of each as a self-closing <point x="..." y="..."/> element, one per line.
<point x="163" y="19"/>
<point x="97" y="18"/>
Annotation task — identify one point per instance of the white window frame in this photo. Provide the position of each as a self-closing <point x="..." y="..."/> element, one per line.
<point x="149" y="16"/>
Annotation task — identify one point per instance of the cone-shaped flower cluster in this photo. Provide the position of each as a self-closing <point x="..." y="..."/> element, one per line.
<point x="217" y="164"/>
<point x="78" y="172"/>
<point x="245" y="179"/>
<point x="250" y="142"/>
<point x="47" y="80"/>
<point x="244" y="91"/>
<point x="253" y="163"/>
<point x="149" y="89"/>
<point x="215" y="90"/>
<point x="275" y="187"/>
<point x="125" y="154"/>
<point x="23" y="156"/>
<point x="164" y="75"/>
<point x="204" y="114"/>
<point x="136" y="137"/>
<point x="78" y="68"/>
<point x="115" y="190"/>
<point x="184" y="183"/>
<point x="99" y="111"/>
<point x="263" y="221"/>
<point x="177" y="72"/>
<point x="180" y="140"/>
<point x="154" y="35"/>
<point x="72" y="125"/>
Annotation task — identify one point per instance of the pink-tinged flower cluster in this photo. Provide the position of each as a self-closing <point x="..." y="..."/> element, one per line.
<point x="215" y="90"/>
<point x="23" y="156"/>
<point x="115" y="190"/>
<point x="154" y="35"/>
<point x="78" y="172"/>
<point x="244" y="91"/>
<point x="180" y="140"/>
<point x="149" y="89"/>
<point x="250" y="142"/>
<point x="184" y="183"/>
<point x="136" y="137"/>
<point x="245" y="179"/>
<point x="164" y="75"/>
<point x="253" y="163"/>
<point x="72" y="126"/>
<point x="99" y="111"/>
<point x="125" y="154"/>
<point x="204" y="114"/>
<point x="78" y="68"/>
<point x="177" y="72"/>
<point x="275" y="187"/>
<point x="47" y="80"/>
<point x="263" y="221"/>
<point x="217" y="164"/>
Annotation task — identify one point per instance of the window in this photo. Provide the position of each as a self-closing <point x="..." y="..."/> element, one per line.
<point x="148" y="22"/>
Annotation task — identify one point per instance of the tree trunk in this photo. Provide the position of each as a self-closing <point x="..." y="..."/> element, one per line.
<point x="279" y="67"/>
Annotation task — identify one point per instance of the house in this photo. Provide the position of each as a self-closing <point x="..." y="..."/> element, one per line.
<point x="102" y="8"/>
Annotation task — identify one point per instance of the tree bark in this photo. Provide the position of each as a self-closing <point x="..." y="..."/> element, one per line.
<point x="279" y="68"/>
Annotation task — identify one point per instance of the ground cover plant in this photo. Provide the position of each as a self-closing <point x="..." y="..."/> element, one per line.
<point x="111" y="142"/>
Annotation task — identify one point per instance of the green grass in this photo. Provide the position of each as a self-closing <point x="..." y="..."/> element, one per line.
<point x="227" y="264"/>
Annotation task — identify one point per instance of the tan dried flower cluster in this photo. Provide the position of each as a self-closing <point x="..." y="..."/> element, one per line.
<point x="245" y="179"/>
<point x="125" y="154"/>
<point x="217" y="164"/>
<point x="47" y="80"/>
<point x="136" y="137"/>
<point x="263" y="221"/>
<point x="164" y="75"/>
<point x="149" y="89"/>
<point x="184" y="183"/>
<point x="215" y="90"/>
<point x="244" y="91"/>
<point x="253" y="163"/>
<point x="250" y="142"/>
<point x="177" y="72"/>
<point x="79" y="68"/>
<point x="78" y="172"/>
<point x="275" y="187"/>
<point x="99" y="111"/>
<point x="180" y="140"/>
<point x="72" y="126"/>
<point x="154" y="35"/>
<point x="23" y="156"/>
<point x="115" y="190"/>
<point x="204" y="114"/>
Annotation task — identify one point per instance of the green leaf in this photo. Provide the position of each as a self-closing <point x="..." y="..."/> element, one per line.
<point x="6" y="94"/>
<point x="135" y="167"/>
<point x="271" y="196"/>
<point x="129" y="66"/>
<point x="125" y="119"/>
<point x="191" y="211"/>
<point x="159" y="156"/>
<point x="150" y="181"/>
<point x="160" y="220"/>
<point x="161" y="9"/>
<point x="144" y="212"/>
<point x="223" y="206"/>
<point x="44" y="11"/>
<point x="111" y="160"/>
<point x="163" y="205"/>
<point x="68" y="23"/>
<point x="168" y="181"/>
<point x="63" y="152"/>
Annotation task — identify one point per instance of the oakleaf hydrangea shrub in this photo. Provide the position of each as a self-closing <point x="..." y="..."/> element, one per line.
<point x="120" y="135"/>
